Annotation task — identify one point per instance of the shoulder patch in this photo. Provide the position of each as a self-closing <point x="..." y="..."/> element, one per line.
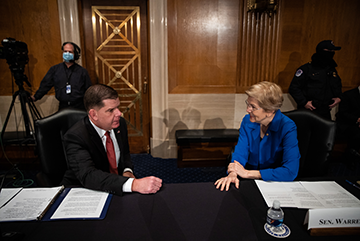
<point x="298" y="73"/>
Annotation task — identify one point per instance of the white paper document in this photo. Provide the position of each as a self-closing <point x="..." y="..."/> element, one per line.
<point x="307" y="194"/>
<point x="8" y="193"/>
<point x="29" y="204"/>
<point x="81" y="203"/>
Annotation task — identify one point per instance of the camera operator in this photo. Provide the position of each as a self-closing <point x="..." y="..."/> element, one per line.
<point x="69" y="79"/>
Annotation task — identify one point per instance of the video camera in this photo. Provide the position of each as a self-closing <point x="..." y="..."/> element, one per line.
<point x="16" y="55"/>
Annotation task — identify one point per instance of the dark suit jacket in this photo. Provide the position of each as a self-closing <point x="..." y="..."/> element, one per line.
<point x="349" y="107"/>
<point x="87" y="160"/>
<point x="346" y="117"/>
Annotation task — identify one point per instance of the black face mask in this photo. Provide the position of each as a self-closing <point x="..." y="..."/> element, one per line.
<point x="326" y="55"/>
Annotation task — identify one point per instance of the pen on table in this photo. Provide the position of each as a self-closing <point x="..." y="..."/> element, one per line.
<point x="352" y="184"/>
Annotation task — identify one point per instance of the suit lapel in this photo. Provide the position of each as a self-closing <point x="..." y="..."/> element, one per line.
<point x="118" y="135"/>
<point x="95" y="138"/>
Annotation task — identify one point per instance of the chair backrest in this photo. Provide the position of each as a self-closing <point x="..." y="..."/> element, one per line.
<point x="49" y="133"/>
<point x="316" y="139"/>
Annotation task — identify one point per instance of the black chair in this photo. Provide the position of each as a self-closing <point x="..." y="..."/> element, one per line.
<point x="316" y="137"/>
<point x="49" y="133"/>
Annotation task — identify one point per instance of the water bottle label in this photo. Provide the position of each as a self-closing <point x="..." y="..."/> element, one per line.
<point x="273" y="222"/>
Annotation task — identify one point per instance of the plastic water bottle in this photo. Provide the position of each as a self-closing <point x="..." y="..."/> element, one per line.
<point x="275" y="217"/>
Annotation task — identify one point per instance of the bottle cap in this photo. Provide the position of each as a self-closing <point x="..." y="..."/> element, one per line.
<point x="276" y="204"/>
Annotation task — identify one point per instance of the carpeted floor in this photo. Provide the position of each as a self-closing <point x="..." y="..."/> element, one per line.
<point x="144" y="165"/>
<point x="167" y="170"/>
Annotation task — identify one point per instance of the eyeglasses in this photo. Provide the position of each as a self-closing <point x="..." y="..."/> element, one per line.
<point x="252" y="107"/>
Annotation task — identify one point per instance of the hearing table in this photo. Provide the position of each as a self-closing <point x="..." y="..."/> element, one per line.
<point x="187" y="211"/>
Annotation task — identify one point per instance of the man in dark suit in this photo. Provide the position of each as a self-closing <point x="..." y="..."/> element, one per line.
<point x="88" y="152"/>
<point x="348" y="120"/>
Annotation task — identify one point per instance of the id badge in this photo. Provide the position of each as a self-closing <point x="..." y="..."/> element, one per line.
<point x="68" y="89"/>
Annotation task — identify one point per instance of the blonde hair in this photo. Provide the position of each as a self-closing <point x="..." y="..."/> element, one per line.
<point x="269" y="95"/>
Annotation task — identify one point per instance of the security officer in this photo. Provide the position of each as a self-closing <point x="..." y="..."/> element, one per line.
<point x="316" y="85"/>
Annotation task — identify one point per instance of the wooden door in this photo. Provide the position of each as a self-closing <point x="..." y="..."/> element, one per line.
<point x="117" y="56"/>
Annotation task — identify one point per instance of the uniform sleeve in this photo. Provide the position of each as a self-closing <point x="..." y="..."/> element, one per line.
<point x="291" y="158"/>
<point x="297" y="87"/>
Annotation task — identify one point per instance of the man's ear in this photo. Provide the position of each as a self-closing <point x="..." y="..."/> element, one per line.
<point x="93" y="114"/>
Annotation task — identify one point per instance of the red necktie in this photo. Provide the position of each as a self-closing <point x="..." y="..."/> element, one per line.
<point x="111" y="153"/>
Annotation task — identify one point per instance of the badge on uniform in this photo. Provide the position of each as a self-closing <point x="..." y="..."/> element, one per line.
<point x="68" y="89"/>
<point x="298" y="73"/>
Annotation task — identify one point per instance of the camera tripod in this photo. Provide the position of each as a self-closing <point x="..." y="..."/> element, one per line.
<point x="25" y="103"/>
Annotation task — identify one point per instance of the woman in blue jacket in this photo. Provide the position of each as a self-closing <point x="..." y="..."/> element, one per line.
<point x="267" y="147"/>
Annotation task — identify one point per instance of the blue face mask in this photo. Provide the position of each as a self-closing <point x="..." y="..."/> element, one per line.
<point x="68" y="56"/>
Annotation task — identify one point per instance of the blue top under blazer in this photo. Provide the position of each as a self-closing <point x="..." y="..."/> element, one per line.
<point x="277" y="155"/>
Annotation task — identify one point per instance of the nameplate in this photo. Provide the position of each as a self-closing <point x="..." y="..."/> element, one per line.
<point x="333" y="218"/>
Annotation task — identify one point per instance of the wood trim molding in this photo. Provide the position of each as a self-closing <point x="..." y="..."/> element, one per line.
<point x="258" y="48"/>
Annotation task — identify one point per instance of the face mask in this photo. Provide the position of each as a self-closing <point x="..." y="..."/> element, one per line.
<point x="327" y="55"/>
<point x="68" y="56"/>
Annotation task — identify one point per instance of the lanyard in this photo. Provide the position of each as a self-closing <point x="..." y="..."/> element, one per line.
<point x="68" y="86"/>
<point x="66" y="73"/>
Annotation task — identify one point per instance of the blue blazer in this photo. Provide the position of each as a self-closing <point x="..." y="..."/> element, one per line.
<point x="277" y="155"/>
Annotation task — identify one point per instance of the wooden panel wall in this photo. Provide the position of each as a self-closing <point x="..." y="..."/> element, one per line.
<point x="266" y="48"/>
<point x="258" y="47"/>
<point x="304" y="23"/>
<point x="202" y="45"/>
<point x="204" y="56"/>
<point x="37" y="24"/>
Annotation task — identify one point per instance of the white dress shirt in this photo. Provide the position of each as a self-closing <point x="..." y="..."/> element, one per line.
<point x="127" y="185"/>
